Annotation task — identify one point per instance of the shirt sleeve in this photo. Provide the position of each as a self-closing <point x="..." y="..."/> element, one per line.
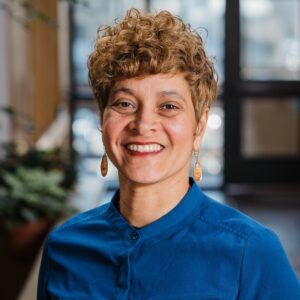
<point x="266" y="272"/>
<point x="43" y="275"/>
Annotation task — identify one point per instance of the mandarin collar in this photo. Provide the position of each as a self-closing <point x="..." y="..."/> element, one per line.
<point x="177" y="214"/>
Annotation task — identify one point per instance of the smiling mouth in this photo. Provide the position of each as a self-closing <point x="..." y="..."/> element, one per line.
<point x="149" y="148"/>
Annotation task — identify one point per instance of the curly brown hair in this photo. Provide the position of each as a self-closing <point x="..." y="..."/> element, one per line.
<point x="146" y="44"/>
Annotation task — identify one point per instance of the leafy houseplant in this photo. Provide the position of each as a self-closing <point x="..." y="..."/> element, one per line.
<point x="28" y="195"/>
<point x="49" y="160"/>
<point x="37" y="190"/>
<point x="31" y="200"/>
<point x="34" y="185"/>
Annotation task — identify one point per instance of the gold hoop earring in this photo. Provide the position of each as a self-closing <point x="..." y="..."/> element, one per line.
<point x="197" y="168"/>
<point x="104" y="165"/>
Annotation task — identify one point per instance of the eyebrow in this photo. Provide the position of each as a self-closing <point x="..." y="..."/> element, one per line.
<point x="122" y="89"/>
<point x="172" y="94"/>
<point x="161" y="93"/>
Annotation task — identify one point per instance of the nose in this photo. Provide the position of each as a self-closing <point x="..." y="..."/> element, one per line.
<point x="144" y="121"/>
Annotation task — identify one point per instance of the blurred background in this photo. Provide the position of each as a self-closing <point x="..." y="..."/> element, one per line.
<point x="51" y="146"/>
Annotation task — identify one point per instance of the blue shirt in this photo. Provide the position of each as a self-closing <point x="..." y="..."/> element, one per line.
<point x="201" y="249"/>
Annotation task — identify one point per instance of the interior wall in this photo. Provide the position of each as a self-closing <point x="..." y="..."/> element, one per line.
<point x="4" y="80"/>
<point x="64" y="51"/>
<point x="44" y="53"/>
<point x="20" y="77"/>
<point x="32" y="83"/>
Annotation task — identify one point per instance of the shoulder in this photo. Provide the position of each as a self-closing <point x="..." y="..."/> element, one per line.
<point x="265" y="271"/>
<point x="80" y="221"/>
<point x="230" y="220"/>
<point x="258" y="242"/>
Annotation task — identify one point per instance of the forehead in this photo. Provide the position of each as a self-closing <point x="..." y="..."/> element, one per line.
<point x="153" y="83"/>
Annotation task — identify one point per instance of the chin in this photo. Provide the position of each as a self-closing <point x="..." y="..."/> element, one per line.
<point x="143" y="178"/>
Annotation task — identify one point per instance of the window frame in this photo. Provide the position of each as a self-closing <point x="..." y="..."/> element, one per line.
<point x="239" y="170"/>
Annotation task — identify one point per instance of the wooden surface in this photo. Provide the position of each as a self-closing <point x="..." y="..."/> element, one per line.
<point x="44" y="51"/>
<point x="33" y="63"/>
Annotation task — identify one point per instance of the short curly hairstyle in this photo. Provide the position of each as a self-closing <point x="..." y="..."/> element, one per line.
<point x="147" y="44"/>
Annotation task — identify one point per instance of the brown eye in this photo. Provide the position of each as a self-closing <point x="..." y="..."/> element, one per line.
<point x="169" y="106"/>
<point x="123" y="105"/>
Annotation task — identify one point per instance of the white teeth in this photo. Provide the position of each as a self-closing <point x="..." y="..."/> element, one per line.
<point x="144" y="148"/>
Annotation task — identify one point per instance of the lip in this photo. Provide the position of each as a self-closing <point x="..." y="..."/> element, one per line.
<point x="143" y="143"/>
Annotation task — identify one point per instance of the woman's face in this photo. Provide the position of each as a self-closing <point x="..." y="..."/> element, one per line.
<point x="149" y="128"/>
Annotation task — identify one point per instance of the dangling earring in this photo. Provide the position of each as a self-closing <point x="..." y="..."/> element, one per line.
<point x="104" y="165"/>
<point x="197" y="168"/>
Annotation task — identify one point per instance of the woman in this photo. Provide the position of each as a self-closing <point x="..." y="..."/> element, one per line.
<point x="160" y="237"/>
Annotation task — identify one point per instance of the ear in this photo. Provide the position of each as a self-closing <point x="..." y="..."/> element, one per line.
<point x="200" y="129"/>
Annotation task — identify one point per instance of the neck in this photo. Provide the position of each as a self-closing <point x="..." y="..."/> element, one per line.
<point x="141" y="205"/>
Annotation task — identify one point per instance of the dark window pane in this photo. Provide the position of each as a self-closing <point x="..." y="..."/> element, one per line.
<point x="270" y="127"/>
<point x="270" y="39"/>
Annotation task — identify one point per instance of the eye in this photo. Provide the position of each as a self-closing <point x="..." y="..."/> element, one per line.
<point x="169" y="106"/>
<point x="123" y="105"/>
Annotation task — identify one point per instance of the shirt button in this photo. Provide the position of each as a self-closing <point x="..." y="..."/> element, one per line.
<point x="134" y="235"/>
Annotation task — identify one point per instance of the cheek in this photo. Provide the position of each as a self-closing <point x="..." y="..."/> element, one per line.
<point x="112" y="127"/>
<point x="181" y="132"/>
<point x="109" y="128"/>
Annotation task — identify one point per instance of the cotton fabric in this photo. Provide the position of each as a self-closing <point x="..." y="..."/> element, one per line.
<point x="201" y="249"/>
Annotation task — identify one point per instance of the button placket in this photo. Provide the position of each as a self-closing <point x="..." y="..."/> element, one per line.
<point x="134" y="236"/>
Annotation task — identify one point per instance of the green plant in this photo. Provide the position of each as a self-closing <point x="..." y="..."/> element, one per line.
<point x="56" y="159"/>
<point x="40" y="187"/>
<point x="29" y="194"/>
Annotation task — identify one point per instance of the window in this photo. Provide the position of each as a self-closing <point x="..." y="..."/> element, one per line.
<point x="270" y="39"/>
